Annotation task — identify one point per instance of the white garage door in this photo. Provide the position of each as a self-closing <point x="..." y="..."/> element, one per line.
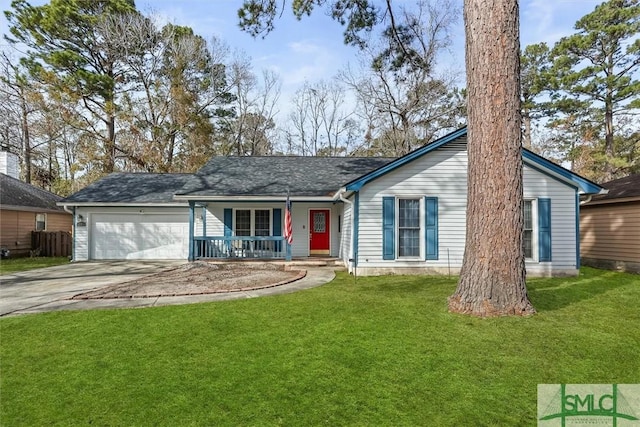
<point x="139" y="236"/>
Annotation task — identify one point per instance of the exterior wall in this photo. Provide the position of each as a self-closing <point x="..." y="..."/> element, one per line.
<point x="15" y="233"/>
<point x="82" y="233"/>
<point x="442" y="174"/>
<point x="610" y="235"/>
<point x="346" y="236"/>
<point x="299" y="219"/>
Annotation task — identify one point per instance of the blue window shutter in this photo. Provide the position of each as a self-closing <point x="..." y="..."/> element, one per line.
<point x="277" y="222"/>
<point x="544" y="230"/>
<point x="277" y="226"/>
<point x="431" y="227"/>
<point x="388" y="227"/>
<point x="228" y="221"/>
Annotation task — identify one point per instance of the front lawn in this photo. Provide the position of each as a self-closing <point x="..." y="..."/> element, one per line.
<point x="379" y="351"/>
<point x="14" y="265"/>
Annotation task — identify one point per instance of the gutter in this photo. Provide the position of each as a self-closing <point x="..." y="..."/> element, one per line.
<point x="123" y="204"/>
<point x="184" y="197"/>
<point x="341" y="194"/>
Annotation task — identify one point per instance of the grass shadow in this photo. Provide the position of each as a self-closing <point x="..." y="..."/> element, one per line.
<point x="413" y="284"/>
<point x="551" y="294"/>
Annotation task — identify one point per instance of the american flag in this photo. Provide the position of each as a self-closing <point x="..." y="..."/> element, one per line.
<point x="288" y="228"/>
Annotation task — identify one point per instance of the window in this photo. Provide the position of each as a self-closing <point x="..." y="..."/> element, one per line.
<point x="536" y="230"/>
<point x="527" y="238"/>
<point x="252" y="222"/>
<point x="262" y="222"/>
<point x="41" y="222"/>
<point x="409" y="227"/>
<point x="243" y="222"/>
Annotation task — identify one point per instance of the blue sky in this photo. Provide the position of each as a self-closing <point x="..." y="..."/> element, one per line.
<point x="312" y="49"/>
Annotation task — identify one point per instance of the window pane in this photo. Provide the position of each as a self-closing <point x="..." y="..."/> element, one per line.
<point x="41" y="222"/>
<point x="408" y="227"/>
<point x="263" y="222"/>
<point x="528" y="250"/>
<point x="409" y="213"/>
<point x="409" y="242"/>
<point x="527" y="215"/>
<point x="527" y="236"/>
<point x="243" y="223"/>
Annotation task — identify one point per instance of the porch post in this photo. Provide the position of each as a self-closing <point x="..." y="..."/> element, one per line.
<point x="192" y="206"/>
<point x="288" y="255"/>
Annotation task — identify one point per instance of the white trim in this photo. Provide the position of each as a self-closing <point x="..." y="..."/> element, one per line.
<point x="119" y="204"/>
<point x="534" y="229"/>
<point x="252" y="219"/>
<point x="36" y="221"/>
<point x="256" y="198"/>
<point x="421" y="229"/>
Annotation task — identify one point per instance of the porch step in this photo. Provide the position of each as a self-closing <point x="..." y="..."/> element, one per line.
<point x="335" y="263"/>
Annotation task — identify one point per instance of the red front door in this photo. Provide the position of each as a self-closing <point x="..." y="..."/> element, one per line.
<point x="319" y="232"/>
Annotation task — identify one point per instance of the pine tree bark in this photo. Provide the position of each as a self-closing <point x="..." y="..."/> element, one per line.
<point x="492" y="280"/>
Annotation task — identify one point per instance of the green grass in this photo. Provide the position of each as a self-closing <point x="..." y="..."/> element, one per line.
<point x="14" y="265"/>
<point x="382" y="351"/>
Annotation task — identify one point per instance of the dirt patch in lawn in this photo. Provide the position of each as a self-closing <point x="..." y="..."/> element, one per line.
<point x="199" y="278"/>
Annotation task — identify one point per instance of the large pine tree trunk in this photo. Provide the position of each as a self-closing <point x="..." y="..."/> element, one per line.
<point x="492" y="280"/>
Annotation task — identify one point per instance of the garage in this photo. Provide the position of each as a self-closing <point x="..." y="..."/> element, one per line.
<point x="139" y="236"/>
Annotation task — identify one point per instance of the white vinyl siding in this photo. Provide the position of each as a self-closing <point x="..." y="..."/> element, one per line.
<point x="563" y="221"/>
<point x="442" y="173"/>
<point x="81" y="241"/>
<point x="346" y="234"/>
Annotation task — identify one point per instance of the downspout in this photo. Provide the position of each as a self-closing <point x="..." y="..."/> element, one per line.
<point x="587" y="200"/>
<point x="352" y="219"/>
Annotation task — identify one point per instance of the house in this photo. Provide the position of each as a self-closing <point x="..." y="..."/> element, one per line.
<point x="25" y="208"/>
<point x="610" y="226"/>
<point x="378" y="215"/>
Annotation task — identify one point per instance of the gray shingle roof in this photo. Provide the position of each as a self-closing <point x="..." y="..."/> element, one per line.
<point x="275" y="175"/>
<point x="16" y="193"/>
<point x="132" y="188"/>
<point x="233" y="176"/>
<point x="628" y="186"/>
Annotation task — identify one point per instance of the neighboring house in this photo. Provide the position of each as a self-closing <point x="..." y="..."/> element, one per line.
<point x="25" y="208"/>
<point x="379" y="215"/>
<point x="610" y="226"/>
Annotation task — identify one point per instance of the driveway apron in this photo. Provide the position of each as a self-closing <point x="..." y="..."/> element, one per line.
<point x="51" y="289"/>
<point x="28" y="290"/>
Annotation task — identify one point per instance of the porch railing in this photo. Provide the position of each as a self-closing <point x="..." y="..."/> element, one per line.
<point x="268" y="247"/>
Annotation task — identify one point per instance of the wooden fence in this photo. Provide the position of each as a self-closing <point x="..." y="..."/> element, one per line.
<point x="50" y="244"/>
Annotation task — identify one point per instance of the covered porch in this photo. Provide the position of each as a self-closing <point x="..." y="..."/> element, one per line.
<point x="254" y="229"/>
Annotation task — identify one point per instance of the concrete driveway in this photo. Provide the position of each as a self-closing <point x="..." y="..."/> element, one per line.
<point x="43" y="289"/>
<point x="50" y="289"/>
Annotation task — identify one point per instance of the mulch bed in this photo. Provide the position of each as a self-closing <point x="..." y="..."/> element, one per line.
<point x="199" y="278"/>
